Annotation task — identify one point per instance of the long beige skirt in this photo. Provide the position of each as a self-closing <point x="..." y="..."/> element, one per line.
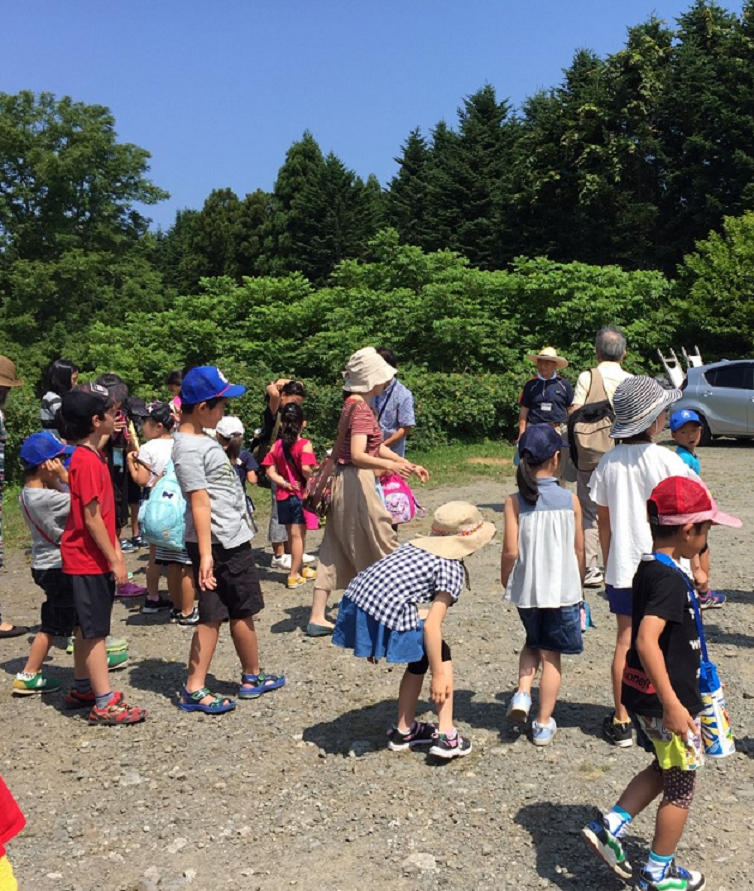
<point x="358" y="531"/>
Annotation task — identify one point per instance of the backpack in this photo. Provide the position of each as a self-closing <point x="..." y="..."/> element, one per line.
<point x="163" y="518"/>
<point x="399" y="499"/>
<point x="589" y="426"/>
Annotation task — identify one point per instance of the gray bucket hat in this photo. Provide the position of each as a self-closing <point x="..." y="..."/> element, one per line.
<point x="638" y="402"/>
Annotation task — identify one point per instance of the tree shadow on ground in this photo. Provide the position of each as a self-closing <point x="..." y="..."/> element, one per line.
<point x="369" y="723"/>
<point x="563" y="859"/>
<point x="496" y="506"/>
<point x="717" y="635"/>
<point x="585" y="716"/>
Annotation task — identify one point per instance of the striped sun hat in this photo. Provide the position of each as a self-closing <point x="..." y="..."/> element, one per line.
<point x="638" y="402"/>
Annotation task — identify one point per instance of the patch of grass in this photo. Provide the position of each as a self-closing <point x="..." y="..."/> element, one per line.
<point x="457" y="465"/>
<point x="15" y="531"/>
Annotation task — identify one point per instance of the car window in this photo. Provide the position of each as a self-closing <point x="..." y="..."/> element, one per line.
<point x="734" y="377"/>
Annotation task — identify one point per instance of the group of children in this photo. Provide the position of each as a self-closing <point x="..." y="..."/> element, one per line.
<point x="655" y="514"/>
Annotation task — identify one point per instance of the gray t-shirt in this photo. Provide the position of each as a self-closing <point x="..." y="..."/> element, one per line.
<point x="201" y="463"/>
<point x="46" y="510"/>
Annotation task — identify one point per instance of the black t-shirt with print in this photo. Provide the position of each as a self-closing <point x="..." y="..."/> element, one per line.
<point x="661" y="591"/>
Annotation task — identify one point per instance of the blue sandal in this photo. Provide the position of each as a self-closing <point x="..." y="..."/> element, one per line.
<point x="192" y="702"/>
<point x="254" y="685"/>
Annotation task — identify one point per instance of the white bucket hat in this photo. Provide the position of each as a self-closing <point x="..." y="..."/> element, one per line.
<point x="638" y="402"/>
<point x="458" y="529"/>
<point x="551" y="355"/>
<point x="366" y="369"/>
<point x="229" y="426"/>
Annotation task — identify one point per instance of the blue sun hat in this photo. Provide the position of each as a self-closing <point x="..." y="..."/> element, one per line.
<point x="208" y="382"/>
<point x="41" y="447"/>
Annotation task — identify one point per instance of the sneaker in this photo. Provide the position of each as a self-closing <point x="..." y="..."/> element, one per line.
<point x="542" y="734"/>
<point x="175" y="614"/>
<point x="295" y="581"/>
<point x="114" y="644"/>
<point x="608" y="847"/>
<point x="76" y="699"/>
<point x="38" y="684"/>
<point x="518" y="707"/>
<point x="190" y="620"/>
<point x="138" y="541"/>
<point x="308" y="559"/>
<point x="711" y="600"/>
<point x="308" y="573"/>
<point x="116" y="712"/>
<point x="620" y="735"/>
<point x="676" y="879"/>
<point x="150" y="607"/>
<point x="594" y="577"/>
<point x="446" y="748"/>
<point x="69" y="648"/>
<point x="422" y="733"/>
<point x="126" y="546"/>
<point x="116" y="661"/>
<point x="283" y="562"/>
<point x="130" y="589"/>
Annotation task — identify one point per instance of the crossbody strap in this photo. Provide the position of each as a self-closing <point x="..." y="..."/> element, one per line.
<point x="342" y="432"/>
<point x="292" y="462"/>
<point x="667" y="561"/>
<point x="597" y="383"/>
<point x="29" y="517"/>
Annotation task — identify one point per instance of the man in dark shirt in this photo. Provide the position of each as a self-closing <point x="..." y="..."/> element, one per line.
<point x="545" y="399"/>
<point x="661" y="687"/>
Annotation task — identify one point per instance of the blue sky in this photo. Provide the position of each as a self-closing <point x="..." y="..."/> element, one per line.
<point x="217" y="91"/>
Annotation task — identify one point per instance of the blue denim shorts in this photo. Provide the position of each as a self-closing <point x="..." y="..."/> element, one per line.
<point x="621" y="600"/>
<point x="558" y="630"/>
<point x="291" y="512"/>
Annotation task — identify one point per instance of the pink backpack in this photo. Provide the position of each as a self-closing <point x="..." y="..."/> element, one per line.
<point x="399" y="499"/>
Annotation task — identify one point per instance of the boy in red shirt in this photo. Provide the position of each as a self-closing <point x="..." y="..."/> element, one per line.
<point x="91" y="554"/>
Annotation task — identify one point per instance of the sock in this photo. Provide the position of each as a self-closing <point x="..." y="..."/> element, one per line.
<point x="406" y="732"/>
<point x="620" y="723"/>
<point x="452" y="735"/>
<point x="27" y="675"/>
<point x="82" y="685"/>
<point x="618" y="821"/>
<point x="104" y="700"/>
<point x="656" y="866"/>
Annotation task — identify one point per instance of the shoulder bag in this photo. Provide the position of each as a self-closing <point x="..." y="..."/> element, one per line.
<point x="318" y="495"/>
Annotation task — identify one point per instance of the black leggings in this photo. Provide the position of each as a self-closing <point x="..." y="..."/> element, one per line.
<point x="422" y="665"/>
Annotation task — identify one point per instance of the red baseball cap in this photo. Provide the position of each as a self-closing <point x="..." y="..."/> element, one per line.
<point x="680" y="500"/>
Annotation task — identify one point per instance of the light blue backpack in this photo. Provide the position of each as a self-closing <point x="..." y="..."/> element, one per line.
<point x="162" y="518"/>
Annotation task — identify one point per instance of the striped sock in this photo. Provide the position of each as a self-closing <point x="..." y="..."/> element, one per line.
<point x="657" y="865"/>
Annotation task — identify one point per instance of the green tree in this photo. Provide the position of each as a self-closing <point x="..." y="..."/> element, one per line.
<point x="408" y="192"/>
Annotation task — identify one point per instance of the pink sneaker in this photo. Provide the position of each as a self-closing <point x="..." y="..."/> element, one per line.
<point x="130" y="590"/>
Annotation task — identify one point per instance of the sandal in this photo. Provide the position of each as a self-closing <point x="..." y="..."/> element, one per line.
<point x="254" y="685"/>
<point x="192" y="702"/>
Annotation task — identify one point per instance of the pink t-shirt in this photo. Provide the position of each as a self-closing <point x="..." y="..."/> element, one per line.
<point x="276" y="456"/>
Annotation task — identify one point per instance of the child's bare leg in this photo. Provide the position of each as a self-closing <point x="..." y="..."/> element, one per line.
<point x="622" y="645"/>
<point x="203" y="645"/>
<point x="94" y="656"/>
<point x="153" y="574"/>
<point x="528" y="663"/>
<point x="296" y="537"/>
<point x="133" y="510"/>
<point x="704" y="560"/>
<point x="641" y="791"/>
<point x="445" y="712"/>
<point x="319" y="602"/>
<point x="669" y="826"/>
<point x="408" y="696"/>
<point x="549" y="685"/>
<point x="40" y="647"/>
<point x="181" y="587"/>
<point x="245" y="641"/>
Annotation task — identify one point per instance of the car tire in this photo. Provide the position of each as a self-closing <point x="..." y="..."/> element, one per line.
<point x="706" y="437"/>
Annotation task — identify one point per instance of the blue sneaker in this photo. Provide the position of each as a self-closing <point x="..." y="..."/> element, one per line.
<point x="676" y="878"/>
<point x="542" y="734"/>
<point x="608" y="847"/>
<point x="518" y="708"/>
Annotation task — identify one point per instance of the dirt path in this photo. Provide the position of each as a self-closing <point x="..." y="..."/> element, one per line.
<point x="297" y="789"/>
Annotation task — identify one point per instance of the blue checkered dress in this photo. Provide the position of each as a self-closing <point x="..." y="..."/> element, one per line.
<point x="391" y="589"/>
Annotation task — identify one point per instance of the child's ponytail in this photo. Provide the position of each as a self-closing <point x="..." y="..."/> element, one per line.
<point x="291" y="423"/>
<point x="526" y="480"/>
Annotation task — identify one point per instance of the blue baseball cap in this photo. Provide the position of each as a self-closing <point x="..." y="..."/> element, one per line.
<point x="541" y="441"/>
<point x="207" y="382"/>
<point x="41" y="447"/>
<point x="684" y="416"/>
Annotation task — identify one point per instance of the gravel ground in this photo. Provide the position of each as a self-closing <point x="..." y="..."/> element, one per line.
<point x="298" y="789"/>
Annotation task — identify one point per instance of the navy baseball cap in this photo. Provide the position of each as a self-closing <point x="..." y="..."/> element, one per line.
<point x="41" y="447"/>
<point x="684" y="416"/>
<point x="541" y="441"/>
<point x="207" y="382"/>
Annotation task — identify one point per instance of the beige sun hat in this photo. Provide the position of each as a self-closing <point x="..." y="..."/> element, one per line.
<point x="458" y="529"/>
<point x="551" y="354"/>
<point x="366" y="369"/>
<point x="8" y="373"/>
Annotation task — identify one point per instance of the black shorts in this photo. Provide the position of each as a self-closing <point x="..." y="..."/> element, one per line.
<point x="58" y="611"/>
<point x="238" y="594"/>
<point x="93" y="597"/>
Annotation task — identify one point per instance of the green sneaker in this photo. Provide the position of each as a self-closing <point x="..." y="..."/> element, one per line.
<point x="116" y="661"/>
<point x="116" y="644"/>
<point x="69" y="648"/>
<point x="38" y="684"/>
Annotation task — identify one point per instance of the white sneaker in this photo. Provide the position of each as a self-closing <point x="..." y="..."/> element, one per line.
<point x="594" y="577"/>
<point x="283" y="562"/>
<point x="308" y="559"/>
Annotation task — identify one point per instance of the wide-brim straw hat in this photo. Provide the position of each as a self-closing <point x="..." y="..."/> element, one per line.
<point x="458" y="530"/>
<point x="365" y="370"/>
<point x="551" y="355"/>
<point x="638" y="402"/>
<point x="8" y="373"/>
